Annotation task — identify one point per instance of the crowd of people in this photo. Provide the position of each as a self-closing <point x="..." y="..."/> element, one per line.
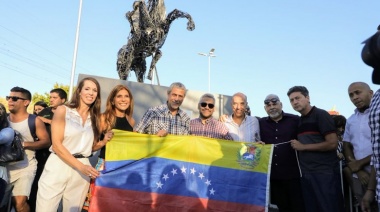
<point x="311" y="151"/>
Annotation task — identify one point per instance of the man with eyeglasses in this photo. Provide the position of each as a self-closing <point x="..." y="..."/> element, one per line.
<point x="206" y="125"/>
<point x="316" y="144"/>
<point x="22" y="173"/>
<point x="241" y="126"/>
<point x="278" y="128"/>
<point x="167" y="118"/>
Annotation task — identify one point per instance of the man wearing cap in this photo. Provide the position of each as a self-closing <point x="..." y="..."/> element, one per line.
<point x="206" y="125"/>
<point x="279" y="128"/>
<point x="241" y="126"/>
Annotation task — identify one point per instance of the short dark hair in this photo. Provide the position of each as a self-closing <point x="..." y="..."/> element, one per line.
<point x="3" y="117"/>
<point x="26" y="94"/>
<point x="339" y="120"/>
<point x="41" y="103"/>
<point x="301" y="89"/>
<point x="61" y="93"/>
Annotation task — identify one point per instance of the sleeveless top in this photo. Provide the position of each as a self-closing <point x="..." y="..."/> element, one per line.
<point x="78" y="138"/>
<point x="23" y="128"/>
<point x="120" y="124"/>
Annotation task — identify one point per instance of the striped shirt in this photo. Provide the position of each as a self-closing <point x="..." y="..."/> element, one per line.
<point x="212" y="129"/>
<point x="160" y="118"/>
<point x="374" y="123"/>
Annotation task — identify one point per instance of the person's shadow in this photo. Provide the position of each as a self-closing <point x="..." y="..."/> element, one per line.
<point x="115" y="194"/>
<point x="174" y="193"/>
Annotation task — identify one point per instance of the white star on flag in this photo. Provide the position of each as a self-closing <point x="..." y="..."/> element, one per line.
<point x="192" y="171"/>
<point x="174" y="171"/>
<point x="159" y="184"/>
<point x="201" y="175"/>
<point x="165" y="177"/>
<point x="212" y="191"/>
<point x="183" y="169"/>
<point x="208" y="182"/>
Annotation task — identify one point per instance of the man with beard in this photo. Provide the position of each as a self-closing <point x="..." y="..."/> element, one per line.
<point x="241" y="126"/>
<point x="206" y="125"/>
<point x="278" y="129"/>
<point x="21" y="173"/>
<point x="167" y="118"/>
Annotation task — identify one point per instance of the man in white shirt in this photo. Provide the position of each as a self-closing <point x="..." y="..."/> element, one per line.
<point x="241" y="126"/>
<point x="21" y="173"/>
<point x="357" y="146"/>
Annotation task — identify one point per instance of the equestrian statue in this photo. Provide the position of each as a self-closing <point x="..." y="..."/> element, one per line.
<point x="149" y="27"/>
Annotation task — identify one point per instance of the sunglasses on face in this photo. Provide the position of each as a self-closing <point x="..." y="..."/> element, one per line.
<point x="204" y="104"/>
<point x="14" y="98"/>
<point x="274" y="101"/>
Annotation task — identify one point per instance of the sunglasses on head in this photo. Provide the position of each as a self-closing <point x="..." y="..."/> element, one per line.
<point x="273" y="100"/>
<point x="14" y="98"/>
<point x="204" y="104"/>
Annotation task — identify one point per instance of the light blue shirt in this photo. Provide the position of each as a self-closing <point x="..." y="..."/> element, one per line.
<point x="6" y="136"/>
<point x="358" y="133"/>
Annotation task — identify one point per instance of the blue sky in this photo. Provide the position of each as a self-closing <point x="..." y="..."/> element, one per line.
<point x="262" y="47"/>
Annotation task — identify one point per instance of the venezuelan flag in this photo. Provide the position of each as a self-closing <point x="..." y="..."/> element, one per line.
<point x="182" y="173"/>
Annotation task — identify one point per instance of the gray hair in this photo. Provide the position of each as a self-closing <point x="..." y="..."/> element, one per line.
<point x="177" y="85"/>
<point x="207" y="95"/>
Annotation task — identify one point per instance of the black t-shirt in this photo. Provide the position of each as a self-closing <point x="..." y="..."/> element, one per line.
<point x="43" y="154"/>
<point x="47" y="113"/>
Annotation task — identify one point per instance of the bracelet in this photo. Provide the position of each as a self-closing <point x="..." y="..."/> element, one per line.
<point x="371" y="189"/>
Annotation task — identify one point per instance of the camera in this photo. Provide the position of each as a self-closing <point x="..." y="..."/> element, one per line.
<point x="371" y="55"/>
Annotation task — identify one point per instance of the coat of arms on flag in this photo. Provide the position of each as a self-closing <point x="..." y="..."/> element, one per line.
<point x="182" y="173"/>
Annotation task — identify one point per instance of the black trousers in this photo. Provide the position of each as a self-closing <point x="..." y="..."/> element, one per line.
<point x="287" y="195"/>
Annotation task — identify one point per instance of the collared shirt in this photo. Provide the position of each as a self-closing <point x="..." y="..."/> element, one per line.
<point x="284" y="160"/>
<point x="160" y="118"/>
<point x="358" y="133"/>
<point x="312" y="129"/>
<point x="248" y="131"/>
<point x="78" y="137"/>
<point x="212" y="129"/>
<point x="374" y="123"/>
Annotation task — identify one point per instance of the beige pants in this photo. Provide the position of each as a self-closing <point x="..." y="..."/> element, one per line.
<point x="60" y="181"/>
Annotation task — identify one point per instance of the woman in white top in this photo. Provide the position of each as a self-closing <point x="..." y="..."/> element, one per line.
<point x="68" y="171"/>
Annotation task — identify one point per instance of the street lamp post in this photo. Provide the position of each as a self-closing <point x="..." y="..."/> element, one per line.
<point x="209" y="55"/>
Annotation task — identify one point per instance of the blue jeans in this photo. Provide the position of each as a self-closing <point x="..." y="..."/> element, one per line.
<point x="322" y="191"/>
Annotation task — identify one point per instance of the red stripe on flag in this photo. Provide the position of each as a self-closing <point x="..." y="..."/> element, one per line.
<point x="113" y="200"/>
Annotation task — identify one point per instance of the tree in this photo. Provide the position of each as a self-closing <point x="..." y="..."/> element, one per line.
<point x="38" y="97"/>
<point x="46" y="96"/>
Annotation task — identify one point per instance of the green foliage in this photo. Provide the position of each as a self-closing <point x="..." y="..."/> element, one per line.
<point x="46" y="96"/>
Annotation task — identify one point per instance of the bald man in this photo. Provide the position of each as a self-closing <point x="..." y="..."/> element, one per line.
<point x="357" y="146"/>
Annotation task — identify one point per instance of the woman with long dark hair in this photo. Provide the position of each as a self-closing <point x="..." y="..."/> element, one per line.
<point x="6" y="137"/>
<point x="118" y="115"/>
<point x="75" y="131"/>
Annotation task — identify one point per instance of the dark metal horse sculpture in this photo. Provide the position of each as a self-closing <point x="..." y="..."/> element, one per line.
<point x="149" y="28"/>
